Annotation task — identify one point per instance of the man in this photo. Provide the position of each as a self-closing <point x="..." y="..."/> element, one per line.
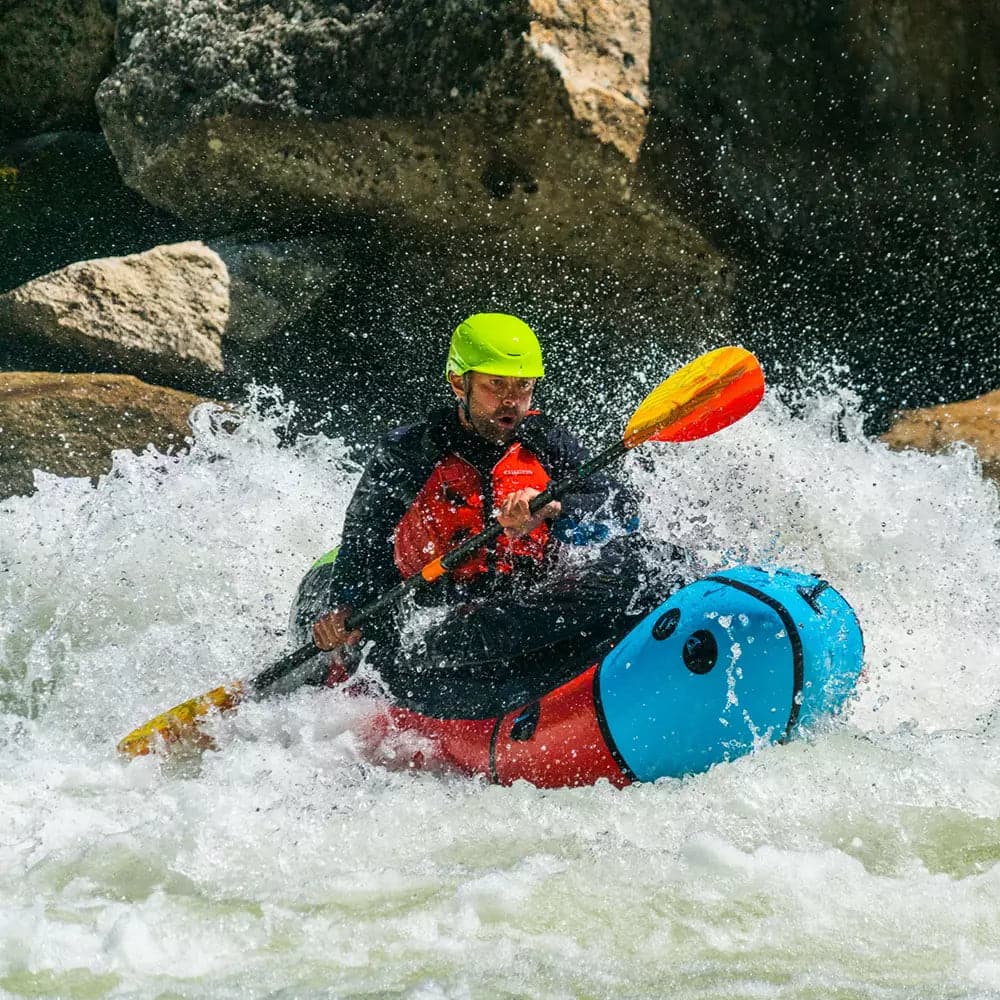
<point x="558" y="589"/>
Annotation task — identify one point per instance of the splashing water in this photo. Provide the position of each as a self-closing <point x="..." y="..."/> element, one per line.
<point x="859" y="862"/>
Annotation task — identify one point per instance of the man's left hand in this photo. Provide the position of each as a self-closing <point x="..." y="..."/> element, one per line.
<point x="516" y="519"/>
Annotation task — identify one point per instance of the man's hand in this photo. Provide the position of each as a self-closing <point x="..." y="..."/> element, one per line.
<point x="516" y="519"/>
<point x="330" y="632"/>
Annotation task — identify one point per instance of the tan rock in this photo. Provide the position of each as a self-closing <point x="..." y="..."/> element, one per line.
<point x="167" y="307"/>
<point x="68" y="425"/>
<point x="975" y="422"/>
<point x="600" y="49"/>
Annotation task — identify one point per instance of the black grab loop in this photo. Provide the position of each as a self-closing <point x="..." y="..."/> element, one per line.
<point x="523" y="727"/>
<point x="701" y="652"/>
<point x="811" y="594"/>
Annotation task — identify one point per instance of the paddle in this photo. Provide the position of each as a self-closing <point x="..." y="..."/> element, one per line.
<point x="706" y="395"/>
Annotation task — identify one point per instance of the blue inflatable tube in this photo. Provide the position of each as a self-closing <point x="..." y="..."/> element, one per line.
<point x="732" y="662"/>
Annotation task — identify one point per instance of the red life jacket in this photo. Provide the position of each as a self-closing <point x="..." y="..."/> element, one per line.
<point x="449" y="509"/>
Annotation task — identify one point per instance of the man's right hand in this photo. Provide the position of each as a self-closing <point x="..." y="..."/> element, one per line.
<point x="330" y="631"/>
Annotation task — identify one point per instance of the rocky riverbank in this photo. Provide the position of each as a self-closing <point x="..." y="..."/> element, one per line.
<point x="972" y="422"/>
<point x="207" y="194"/>
<point x="68" y="425"/>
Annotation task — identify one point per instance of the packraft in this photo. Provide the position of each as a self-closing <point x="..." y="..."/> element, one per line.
<point x="736" y="661"/>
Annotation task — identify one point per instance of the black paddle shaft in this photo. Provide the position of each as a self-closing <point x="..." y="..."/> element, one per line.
<point x="281" y="668"/>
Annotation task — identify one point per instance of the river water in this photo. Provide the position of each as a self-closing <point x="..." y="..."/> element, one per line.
<point x="859" y="861"/>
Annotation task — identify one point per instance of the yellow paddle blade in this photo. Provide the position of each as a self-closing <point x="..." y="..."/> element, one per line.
<point x="182" y="723"/>
<point x="707" y="394"/>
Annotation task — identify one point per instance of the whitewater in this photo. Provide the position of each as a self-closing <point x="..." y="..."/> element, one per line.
<point x="858" y="861"/>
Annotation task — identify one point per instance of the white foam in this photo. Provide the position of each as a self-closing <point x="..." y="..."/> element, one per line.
<point x="862" y="859"/>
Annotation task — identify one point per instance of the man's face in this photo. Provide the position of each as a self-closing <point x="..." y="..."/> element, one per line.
<point x="497" y="404"/>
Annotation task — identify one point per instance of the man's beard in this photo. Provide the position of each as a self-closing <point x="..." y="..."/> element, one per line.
<point x="492" y="430"/>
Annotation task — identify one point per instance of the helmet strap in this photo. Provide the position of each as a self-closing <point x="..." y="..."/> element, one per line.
<point x="467" y="386"/>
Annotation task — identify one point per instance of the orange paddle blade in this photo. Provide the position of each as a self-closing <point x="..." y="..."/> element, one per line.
<point x="182" y="722"/>
<point x="705" y="396"/>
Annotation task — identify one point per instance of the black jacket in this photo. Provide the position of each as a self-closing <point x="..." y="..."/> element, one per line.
<point x="403" y="462"/>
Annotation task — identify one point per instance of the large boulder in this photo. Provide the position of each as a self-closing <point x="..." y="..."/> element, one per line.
<point x="827" y="121"/>
<point x="165" y="309"/>
<point x="505" y="129"/>
<point x="54" y="54"/>
<point x="975" y="422"/>
<point x="68" y="425"/>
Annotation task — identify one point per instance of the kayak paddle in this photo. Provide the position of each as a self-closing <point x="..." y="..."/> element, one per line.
<point x="706" y="395"/>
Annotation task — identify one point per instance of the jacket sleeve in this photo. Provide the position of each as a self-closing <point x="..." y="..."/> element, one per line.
<point x="365" y="566"/>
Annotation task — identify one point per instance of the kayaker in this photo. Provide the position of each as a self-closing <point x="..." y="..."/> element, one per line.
<point x="556" y="591"/>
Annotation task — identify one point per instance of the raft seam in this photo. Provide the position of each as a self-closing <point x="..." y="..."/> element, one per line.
<point x="798" y="665"/>
<point x="494" y="736"/>
<point x="602" y="725"/>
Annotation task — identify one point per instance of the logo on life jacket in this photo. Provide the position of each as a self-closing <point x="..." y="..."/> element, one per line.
<point x="449" y="509"/>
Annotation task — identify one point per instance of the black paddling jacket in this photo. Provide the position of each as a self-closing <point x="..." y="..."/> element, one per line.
<point x="403" y="463"/>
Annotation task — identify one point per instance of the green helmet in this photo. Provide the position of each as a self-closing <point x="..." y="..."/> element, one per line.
<point x="495" y="344"/>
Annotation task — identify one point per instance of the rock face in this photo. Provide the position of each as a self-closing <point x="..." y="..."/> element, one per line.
<point x="836" y="112"/>
<point x="674" y="171"/>
<point x="636" y="138"/>
<point x="166" y="309"/>
<point x="975" y="422"/>
<point x="68" y="425"/>
<point x="517" y="124"/>
<point x="54" y="54"/>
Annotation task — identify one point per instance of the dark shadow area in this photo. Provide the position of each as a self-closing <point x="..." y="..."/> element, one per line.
<point x="863" y="216"/>
<point x="62" y="200"/>
<point x="370" y="355"/>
